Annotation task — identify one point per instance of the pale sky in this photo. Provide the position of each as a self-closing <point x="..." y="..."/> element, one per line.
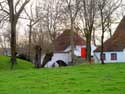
<point x="22" y="26"/>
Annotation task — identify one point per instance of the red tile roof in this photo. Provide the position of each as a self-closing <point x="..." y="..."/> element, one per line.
<point x="117" y="41"/>
<point x="63" y="41"/>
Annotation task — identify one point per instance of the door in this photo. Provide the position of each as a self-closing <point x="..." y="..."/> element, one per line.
<point x="83" y="52"/>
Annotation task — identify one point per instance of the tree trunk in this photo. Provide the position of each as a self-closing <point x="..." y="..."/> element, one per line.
<point x="13" y="34"/>
<point x="37" y="62"/>
<point x="102" y="37"/>
<point x="102" y="46"/>
<point x="13" y="18"/>
<point x="13" y="44"/>
<point x="88" y="48"/>
<point x="110" y="32"/>
<point x="72" y="43"/>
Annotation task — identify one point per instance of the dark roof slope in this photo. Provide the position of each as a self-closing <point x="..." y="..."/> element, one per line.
<point x="63" y="41"/>
<point x="117" y="41"/>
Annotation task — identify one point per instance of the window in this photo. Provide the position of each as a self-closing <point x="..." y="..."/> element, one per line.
<point x="113" y="56"/>
<point x="103" y="57"/>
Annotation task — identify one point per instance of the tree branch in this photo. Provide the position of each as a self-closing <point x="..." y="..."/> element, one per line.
<point x="2" y="8"/>
<point x="17" y="3"/>
<point x="21" y="8"/>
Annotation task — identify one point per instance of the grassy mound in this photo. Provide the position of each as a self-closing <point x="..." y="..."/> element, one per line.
<point x="82" y="79"/>
<point x="21" y="64"/>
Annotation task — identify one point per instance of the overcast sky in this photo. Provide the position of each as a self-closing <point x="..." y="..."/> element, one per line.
<point x="22" y="26"/>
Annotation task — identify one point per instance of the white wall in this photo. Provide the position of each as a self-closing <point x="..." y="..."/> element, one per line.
<point x="77" y="50"/>
<point x="93" y="47"/>
<point x="120" y="57"/>
<point x="42" y="57"/>
<point x="66" y="57"/>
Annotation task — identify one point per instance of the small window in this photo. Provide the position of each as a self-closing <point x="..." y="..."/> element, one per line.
<point x="103" y="57"/>
<point x="113" y="56"/>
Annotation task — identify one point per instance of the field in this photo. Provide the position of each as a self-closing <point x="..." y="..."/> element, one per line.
<point x="81" y="79"/>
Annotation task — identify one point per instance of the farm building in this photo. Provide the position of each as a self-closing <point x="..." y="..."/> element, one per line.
<point x="114" y="48"/>
<point x="63" y="48"/>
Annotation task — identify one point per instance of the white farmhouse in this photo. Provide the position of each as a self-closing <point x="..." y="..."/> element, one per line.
<point x="63" y="48"/>
<point x="114" y="48"/>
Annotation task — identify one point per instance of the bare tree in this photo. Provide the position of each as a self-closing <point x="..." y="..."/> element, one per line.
<point x="38" y="54"/>
<point x="52" y="20"/>
<point x="72" y="7"/>
<point x="106" y="9"/>
<point x="13" y="11"/>
<point x="50" y="23"/>
<point x="33" y="19"/>
<point x="87" y="17"/>
<point x="40" y="40"/>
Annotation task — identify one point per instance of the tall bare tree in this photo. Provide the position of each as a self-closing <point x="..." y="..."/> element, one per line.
<point x="15" y="8"/>
<point x="106" y="9"/>
<point x="72" y="7"/>
<point x="33" y="18"/>
<point x="41" y="40"/>
<point x="51" y="12"/>
<point x="87" y="17"/>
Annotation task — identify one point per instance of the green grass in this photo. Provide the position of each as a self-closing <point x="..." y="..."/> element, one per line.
<point x="21" y="64"/>
<point x="81" y="79"/>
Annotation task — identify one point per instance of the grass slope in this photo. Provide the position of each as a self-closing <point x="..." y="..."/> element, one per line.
<point x="21" y="64"/>
<point x="82" y="79"/>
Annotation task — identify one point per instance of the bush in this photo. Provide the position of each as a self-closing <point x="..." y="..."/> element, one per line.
<point x="23" y="56"/>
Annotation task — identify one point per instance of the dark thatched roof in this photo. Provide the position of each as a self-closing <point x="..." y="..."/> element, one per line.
<point x="63" y="41"/>
<point x="117" y="41"/>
